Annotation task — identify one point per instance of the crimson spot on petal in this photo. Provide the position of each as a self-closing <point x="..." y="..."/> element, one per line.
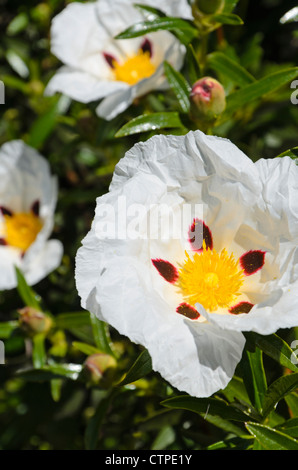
<point x="147" y="46"/>
<point x="242" y="307"/>
<point x="2" y="242"/>
<point x="5" y="211"/>
<point x="166" y="270"/>
<point x="110" y="59"/>
<point x="199" y="232"/>
<point x="188" y="311"/>
<point x="252" y="261"/>
<point x="35" y="207"/>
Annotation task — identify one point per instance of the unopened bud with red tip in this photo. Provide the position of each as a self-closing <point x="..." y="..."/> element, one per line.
<point x="33" y="321"/>
<point x="207" y="98"/>
<point x="99" y="368"/>
<point x="209" y="6"/>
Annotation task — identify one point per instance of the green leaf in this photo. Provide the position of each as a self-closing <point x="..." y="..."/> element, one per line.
<point x="192" y="64"/>
<point x="223" y="64"/>
<point x="72" y="320"/>
<point x="151" y="11"/>
<point x="38" y="353"/>
<point x="86" y="348"/>
<point x="29" y="297"/>
<point x="141" y="367"/>
<point x="101" y="335"/>
<point x="179" y="86"/>
<point x="181" y="28"/>
<point x="50" y="372"/>
<point x="205" y="406"/>
<point x="227" y="18"/>
<point x="45" y="124"/>
<point x="292" y="402"/>
<point x="95" y="423"/>
<point x="289" y="427"/>
<point x="278" y="390"/>
<point x="149" y="122"/>
<point x="275" y="347"/>
<point x="271" y="439"/>
<point x="6" y="328"/>
<point x="259" y="89"/>
<point x="230" y="5"/>
<point x="293" y="153"/>
<point x="56" y="386"/>
<point x="254" y="377"/>
<point x="18" y="24"/>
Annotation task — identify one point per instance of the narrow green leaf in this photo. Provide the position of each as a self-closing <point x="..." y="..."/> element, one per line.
<point x="223" y="64"/>
<point x="289" y="427"/>
<point x="292" y="402"/>
<point x="192" y="64"/>
<point x="149" y="122"/>
<point x="227" y="18"/>
<point x="179" y="86"/>
<point x="278" y="390"/>
<point x="230" y="5"/>
<point x="141" y="367"/>
<point x="205" y="406"/>
<point x="18" y="24"/>
<point x="72" y="320"/>
<point x="150" y="11"/>
<point x="293" y="153"/>
<point x="39" y="353"/>
<point x="259" y="89"/>
<point x="101" y="335"/>
<point x="86" y="348"/>
<point x="56" y="386"/>
<point x="271" y="439"/>
<point x="50" y="372"/>
<point x="29" y="297"/>
<point x="275" y="347"/>
<point x="181" y="28"/>
<point x="254" y="377"/>
<point x="95" y="423"/>
<point x="6" y="328"/>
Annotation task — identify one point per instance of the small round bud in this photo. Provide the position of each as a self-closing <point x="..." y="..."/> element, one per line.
<point x="210" y="6"/>
<point x="33" y="321"/>
<point x="208" y="99"/>
<point x="98" y="367"/>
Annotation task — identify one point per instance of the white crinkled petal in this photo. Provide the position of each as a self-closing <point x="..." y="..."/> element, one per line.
<point x="195" y="358"/>
<point x="46" y="260"/>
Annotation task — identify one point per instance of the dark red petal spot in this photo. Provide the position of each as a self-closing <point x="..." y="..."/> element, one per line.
<point x="166" y="270"/>
<point x="35" y="208"/>
<point x="188" y="311"/>
<point x="252" y="261"/>
<point x="242" y="307"/>
<point x="5" y="211"/>
<point x="2" y="242"/>
<point x="199" y="232"/>
<point x="110" y="59"/>
<point x="147" y="46"/>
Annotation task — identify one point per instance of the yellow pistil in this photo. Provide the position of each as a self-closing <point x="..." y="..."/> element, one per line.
<point x="134" y="69"/>
<point x="211" y="279"/>
<point x="21" y="229"/>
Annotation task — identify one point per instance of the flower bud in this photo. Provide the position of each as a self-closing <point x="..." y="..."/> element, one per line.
<point x="207" y="99"/>
<point x="98" y="367"/>
<point x="33" y="321"/>
<point x="210" y="6"/>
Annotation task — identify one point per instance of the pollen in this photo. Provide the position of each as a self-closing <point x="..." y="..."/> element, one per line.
<point x="134" y="69"/>
<point x="21" y="229"/>
<point x="210" y="278"/>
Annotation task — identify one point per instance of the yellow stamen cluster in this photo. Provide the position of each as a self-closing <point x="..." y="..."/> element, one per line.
<point x="210" y="278"/>
<point x="21" y="229"/>
<point x="134" y="69"/>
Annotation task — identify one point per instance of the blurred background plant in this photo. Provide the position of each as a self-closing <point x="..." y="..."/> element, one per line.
<point x="67" y="376"/>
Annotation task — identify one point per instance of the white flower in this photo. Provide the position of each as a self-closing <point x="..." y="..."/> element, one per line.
<point x="233" y="268"/>
<point x="28" y="196"/>
<point x="97" y="66"/>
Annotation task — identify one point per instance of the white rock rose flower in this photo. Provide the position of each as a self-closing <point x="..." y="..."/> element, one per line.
<point x="28" y="194"/>
<point x="193" y="245"/>
<point x="98" y="67"/>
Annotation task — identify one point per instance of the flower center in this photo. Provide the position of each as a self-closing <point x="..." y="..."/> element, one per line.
<point x="210" y="278"/>
<point x="21" y="229"/>
<point x="134" y="69"/>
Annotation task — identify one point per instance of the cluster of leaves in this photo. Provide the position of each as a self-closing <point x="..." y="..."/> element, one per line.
<point x="48" y="400"/>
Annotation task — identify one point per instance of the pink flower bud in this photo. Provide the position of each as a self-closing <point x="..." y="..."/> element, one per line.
<point x="98" y="366"/>
<point x="33" y="321"/>
<point x="209" y="6"/>
<point x="207" y="98"/>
